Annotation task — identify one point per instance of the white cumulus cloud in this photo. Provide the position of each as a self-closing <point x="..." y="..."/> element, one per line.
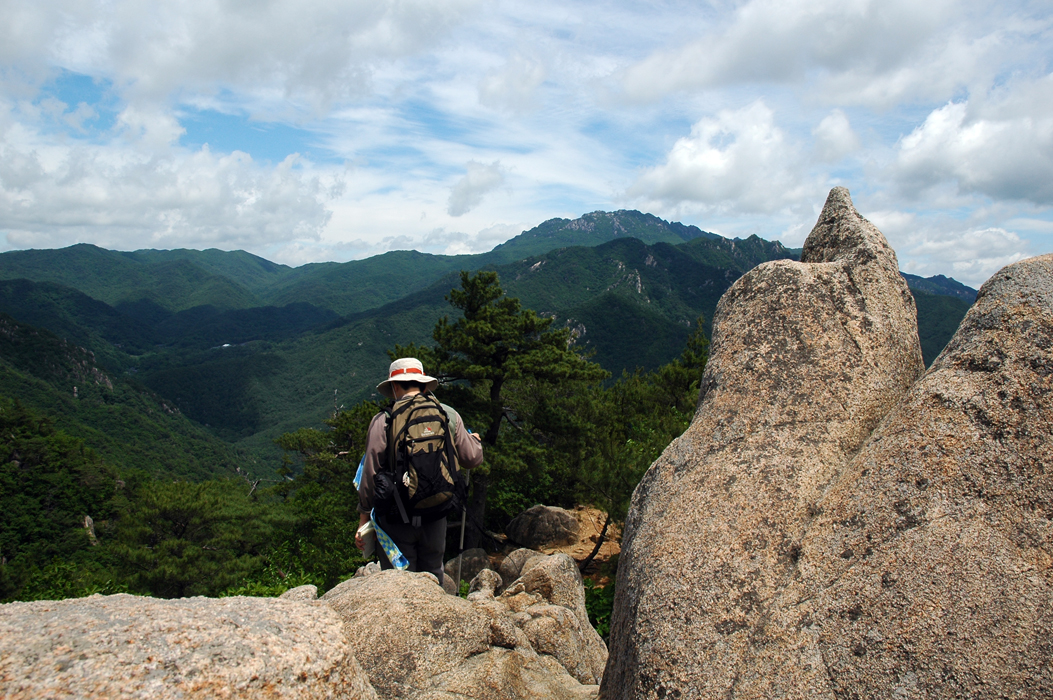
<point x="734" y="116"/>
<point x="468" y="192"/>
<point x="782" y="40"/>
<point x="929" y="245"/>
<point x="738" y="161"/>
<point x="970" y="256"/>
<point x="52" y="195"/>
<point x="834" y="137"/>
<point x="982" y="151"/>
<point x="316" y="53"/>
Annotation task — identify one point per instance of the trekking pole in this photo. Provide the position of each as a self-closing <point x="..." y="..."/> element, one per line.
<point x="460" y="547"/>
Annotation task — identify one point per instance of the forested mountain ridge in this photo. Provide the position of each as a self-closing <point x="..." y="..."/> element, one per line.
<point x="274" y="348"/>
<point x="251" y="272"/>
<point x="126" y="423"/>
<point x="203" y="362"/>
<point x="118" y="278"/>
<point x="77" y="317"/>
<point x="176" y="280"/>
<point x="659" y="290"/>
<point x="592" y="230"/>
<point x="940" y="285"/>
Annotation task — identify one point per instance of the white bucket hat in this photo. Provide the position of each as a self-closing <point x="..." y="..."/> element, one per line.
<point x="406" y="369"/>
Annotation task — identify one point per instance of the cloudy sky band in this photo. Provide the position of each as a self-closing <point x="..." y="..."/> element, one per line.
<point x="330" y="131"/>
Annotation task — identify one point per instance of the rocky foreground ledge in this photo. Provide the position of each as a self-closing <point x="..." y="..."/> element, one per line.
<point x="383" y="635"/>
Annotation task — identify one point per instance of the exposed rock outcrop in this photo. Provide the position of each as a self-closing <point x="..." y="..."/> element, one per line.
<point x="126" y="646"/>
<point x="820" y="533"/>
<point x="516" y="563"/>
<point x="305" y="592"/>
<point x="806" y="359"/>
<point x="557" y="581"/>
<point x="929" y="570"/>
<point x="387" y="634"/>
<point x="407" y="629"/>
<point x="415" y="641"/>
<point x="543" y="526"/>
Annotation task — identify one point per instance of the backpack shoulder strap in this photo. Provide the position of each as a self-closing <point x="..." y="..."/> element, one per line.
<point x="451" y="438"/>
<point x="451" y="419"/>
<point x="389" y="414"/>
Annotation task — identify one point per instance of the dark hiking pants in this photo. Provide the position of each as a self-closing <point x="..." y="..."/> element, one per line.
<point x="422" y="546"/>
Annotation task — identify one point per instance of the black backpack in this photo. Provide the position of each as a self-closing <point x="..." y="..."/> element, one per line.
<point x="421" y="481"/>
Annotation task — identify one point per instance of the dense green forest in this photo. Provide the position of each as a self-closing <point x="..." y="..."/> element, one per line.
<point x="251" y="350"/>
<point x="205" y="409"/>
<point x="123" y="421"/>
<point x="75" y="525"/>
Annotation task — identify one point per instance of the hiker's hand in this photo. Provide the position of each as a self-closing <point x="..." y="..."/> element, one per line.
<point x="363" y="518"/>
<point x="477" y="437"/>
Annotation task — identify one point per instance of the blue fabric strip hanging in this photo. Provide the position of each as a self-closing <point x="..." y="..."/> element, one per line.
<point x="388" y="545"/>
<point x="391" y="551"/>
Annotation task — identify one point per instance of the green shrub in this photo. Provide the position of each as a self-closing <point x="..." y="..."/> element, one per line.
<point x="180" y="539"/>
<point x="599" y="603"/>
<point x="66" y="579"/>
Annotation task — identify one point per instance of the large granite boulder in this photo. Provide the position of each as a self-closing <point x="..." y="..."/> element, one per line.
<point x="806" y="360"/>
<point x="543" y="526"/>
<point x="472" y="561"/>
<point x="416" y="641"/>
<point x="557" y="580"/>
<point x="126" y="646"/>
<point x="928" y="571"/>
<point x="516" y="563"/>
<point x="406" y="629"/>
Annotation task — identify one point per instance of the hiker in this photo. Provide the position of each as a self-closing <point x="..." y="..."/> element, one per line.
<point x="419" y="532"/>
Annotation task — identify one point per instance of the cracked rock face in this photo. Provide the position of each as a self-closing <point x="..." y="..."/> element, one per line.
<point x="806" y="360"/>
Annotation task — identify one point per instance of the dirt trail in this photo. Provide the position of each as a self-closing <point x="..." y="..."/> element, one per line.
<point x="591" y="521"/>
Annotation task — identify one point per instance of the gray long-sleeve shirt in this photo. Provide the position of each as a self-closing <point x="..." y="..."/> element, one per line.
<point x="469" y="453"/>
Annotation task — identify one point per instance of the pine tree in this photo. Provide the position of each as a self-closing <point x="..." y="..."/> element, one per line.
<point x="494" y="343"/>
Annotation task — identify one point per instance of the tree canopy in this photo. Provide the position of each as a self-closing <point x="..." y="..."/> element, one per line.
<point x="558" y="430"/>
<point x="496" y="342"/>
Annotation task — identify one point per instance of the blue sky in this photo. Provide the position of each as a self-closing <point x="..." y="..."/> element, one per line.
<point x="336" y="130"/>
